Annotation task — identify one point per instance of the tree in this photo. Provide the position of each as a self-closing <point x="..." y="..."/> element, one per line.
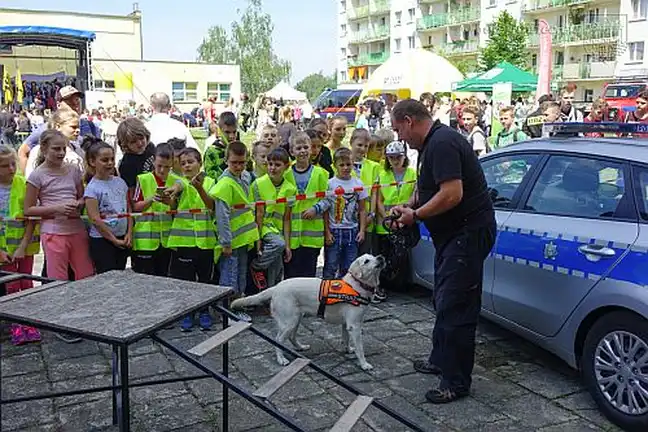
<point x="314" y="84"/>
<point x="249" y="44"/>
<point x="507" y="41"/>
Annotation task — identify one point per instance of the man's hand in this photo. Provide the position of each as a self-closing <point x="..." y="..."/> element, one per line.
<point x="405" y="215"/>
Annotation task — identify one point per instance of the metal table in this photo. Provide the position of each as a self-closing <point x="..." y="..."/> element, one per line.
<point x="117" y="308"/>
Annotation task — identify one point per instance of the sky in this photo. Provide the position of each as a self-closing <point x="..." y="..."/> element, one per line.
<point x="304" y="29"/>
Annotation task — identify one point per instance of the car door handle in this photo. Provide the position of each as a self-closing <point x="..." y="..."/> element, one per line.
<point x="597" y="250"/>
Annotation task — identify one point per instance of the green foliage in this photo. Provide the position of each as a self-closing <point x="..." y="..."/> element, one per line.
<point x="507" y="41"/>
<point x="248" y="44"/>
<point x="465" y="65"/>
<point x="314" y="84"/>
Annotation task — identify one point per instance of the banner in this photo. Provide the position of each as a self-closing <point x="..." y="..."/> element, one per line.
<point x="544" y="59"/>
<point x="502" y="94"/>
<point x="124" y="87"/>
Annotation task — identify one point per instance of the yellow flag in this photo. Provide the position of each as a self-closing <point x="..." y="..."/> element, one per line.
<point x="6" y="88"/>
<point x="19" y="87"/>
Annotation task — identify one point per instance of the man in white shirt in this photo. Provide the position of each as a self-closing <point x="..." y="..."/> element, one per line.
<point x="162" y="127"/>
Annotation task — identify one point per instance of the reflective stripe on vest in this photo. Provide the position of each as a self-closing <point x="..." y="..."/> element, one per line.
<point x="273" y="216"/>
<point x="14" y="230"/>
<point x="242" y="223"/>
<point x="193" y="229"/>
<point x="308" y="233"/>
<point x="151" y="231"/>
<point x="395" y="195"/>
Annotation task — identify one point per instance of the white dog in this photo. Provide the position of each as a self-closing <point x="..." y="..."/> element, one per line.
<point x="293" y="298"/>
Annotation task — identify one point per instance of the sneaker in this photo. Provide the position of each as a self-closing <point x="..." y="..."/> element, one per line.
<point x="242" y="316"/>
<point x="205" y="321"/>
<point x="68" y="339"/>
<point x="18" y="334"/>
<point x="33" y="335"/>
<point x="443" y="396"/>
<point x="259" y="279"/>
<point x="425" y="367"/>
<point x="379" y="295"/>
<point x="187" y="324"/>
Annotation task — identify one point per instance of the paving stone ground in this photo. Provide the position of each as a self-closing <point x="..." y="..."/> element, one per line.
<point x="517" y="387"/>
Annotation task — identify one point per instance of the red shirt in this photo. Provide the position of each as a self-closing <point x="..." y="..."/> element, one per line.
<point x="632" y="118"/>
<point x="592" y="134"/>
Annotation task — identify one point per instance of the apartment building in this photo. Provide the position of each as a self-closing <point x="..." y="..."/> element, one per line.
<point x="594" y="41"/>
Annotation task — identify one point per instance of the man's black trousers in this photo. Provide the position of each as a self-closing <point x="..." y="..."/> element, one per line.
<point x="459" y="270"/>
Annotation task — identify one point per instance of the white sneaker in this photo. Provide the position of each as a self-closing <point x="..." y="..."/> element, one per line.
<point x="242" y="316"/>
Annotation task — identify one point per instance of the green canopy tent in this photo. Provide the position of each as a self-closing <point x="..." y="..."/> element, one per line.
<point x="521" y="81"/>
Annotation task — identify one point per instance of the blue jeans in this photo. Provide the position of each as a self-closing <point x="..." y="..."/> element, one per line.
<point x="233" y="270"/>
<point x="339" y="256"/>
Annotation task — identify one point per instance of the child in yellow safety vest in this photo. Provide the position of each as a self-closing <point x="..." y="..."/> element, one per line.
<point x="396" y="171"/>
<point x="306" y="224"/>
<point x="273" y="220"/>
<point x="367" y="171"/>
<point x="154" y="193"/>
<point x="19" y="239"/>
<point x="192" y="235"/>
<point x="236" y="226"/>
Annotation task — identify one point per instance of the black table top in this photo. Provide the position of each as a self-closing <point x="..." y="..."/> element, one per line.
<point x="118" y="306"/>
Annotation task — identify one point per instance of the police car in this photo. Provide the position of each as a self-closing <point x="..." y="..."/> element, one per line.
<point x="569" y="268"/>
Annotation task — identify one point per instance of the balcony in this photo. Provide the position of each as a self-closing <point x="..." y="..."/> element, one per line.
<point x="370" y="59"/>
<point x="594" y="70"/>
<point x="557" y="72"/>
<point x="460" y="16"/>
<point x="587" y="33"/>
<point x="375" y="34"/>
<point x="530" y="6"/>
<point x="460" y="48"/>
<point x="379" y="7"/>
<point x="359" y="12"/>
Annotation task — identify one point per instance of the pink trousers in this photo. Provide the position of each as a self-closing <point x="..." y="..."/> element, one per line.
<point x="19" y="265"/>
<point x="69" y="249"/>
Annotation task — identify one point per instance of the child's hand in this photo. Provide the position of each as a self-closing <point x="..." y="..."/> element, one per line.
<point x="19" y="253"/>
<point x="287" y="255"/>
<point x="120" y="243"/>
<point x="4" y="257"/>
<point x="360" y="237"/>
<point x="227" y="251"/>
<point x="370" y="218"/>
<point x="197" y="180"/>
<point x="330" y="239"/>
<point x="309" y="214"/>
<point x="128" y="240"/>
<point x="68" y="208"/>
<point x="259" y="248"/>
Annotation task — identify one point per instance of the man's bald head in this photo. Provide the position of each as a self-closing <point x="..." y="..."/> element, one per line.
<point x="160" y="102"/>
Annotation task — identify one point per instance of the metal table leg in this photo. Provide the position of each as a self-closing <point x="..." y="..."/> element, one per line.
<point x="124" y="414"/>
<point x="225" y="412"/>
<point x="115" y="382"/>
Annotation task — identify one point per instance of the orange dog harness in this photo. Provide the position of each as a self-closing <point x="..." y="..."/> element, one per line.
<point x="337" y="291"/>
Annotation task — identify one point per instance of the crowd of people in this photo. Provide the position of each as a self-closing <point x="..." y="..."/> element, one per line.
<point x="72" y="185"/>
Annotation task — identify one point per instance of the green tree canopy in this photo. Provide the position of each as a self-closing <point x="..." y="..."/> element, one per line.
<point x="248" y="44"/>
<point x="314" y="84"/>
<point x="507" y="41"/>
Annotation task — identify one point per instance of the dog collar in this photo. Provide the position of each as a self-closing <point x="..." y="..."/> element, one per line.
<point x="363" y="285"/>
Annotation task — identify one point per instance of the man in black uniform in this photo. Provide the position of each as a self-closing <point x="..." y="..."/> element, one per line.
<point x="453" y="203"/>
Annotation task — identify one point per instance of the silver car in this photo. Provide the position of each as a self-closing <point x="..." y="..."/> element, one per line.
<point x="569" y="269"/>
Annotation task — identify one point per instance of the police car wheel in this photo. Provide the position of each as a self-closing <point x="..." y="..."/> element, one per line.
<point x="614" y="366"/>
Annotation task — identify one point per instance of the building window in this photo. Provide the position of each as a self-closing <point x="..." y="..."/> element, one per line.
<point x="410" y="14"/>
<point x="636" y="51"/>
<point x="343" y="4"/>
<point x="589" y="95"/>
<point x="185" y="92"/>
<point x="343" y="29"/>
<point x="397" y="43"/>
<point x="399" y="16"/>
<point x="639" y="9"/>
<point x="343" y="52"/>
<point x="105" y="86"/>
<point x="222" y="92"/>
<point x="411" y="42"/>
<point x="492" y="3"/>
<point x="343" y="76"/>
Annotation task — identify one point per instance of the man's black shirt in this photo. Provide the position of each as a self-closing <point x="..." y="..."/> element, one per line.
<point x="447" y="155"/>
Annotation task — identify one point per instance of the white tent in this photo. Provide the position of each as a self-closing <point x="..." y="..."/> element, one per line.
<point x="286" y="92"/>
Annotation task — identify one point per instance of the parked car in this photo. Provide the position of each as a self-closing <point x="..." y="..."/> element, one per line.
<point x="569" y="268"/>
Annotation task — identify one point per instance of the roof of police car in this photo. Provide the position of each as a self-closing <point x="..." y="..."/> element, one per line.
<point x="631" y="149"/>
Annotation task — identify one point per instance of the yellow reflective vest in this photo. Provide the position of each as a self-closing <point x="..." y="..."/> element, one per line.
<point x="151" y="232"/>
<point x="307" y="233"/>
<point x="242" y="223"/>
<point x="395" y="195"/>
<point x="14" y="230"/>
<point x="273" y="217"/>
<point x="193" y="229"/>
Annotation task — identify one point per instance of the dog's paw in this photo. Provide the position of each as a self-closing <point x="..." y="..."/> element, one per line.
<point x="283" y="361"/>
<point x="302" y="347"/>
<point x="366" y="366"/>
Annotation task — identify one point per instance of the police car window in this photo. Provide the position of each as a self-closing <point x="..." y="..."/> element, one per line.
<point x="580" y="187"/>
<point x="504" y="176"/>
<point x="643" y="186"/>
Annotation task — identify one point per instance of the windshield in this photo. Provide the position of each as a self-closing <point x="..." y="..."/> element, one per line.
<point x="623" y="90"/>
<point x="337" y="99"/>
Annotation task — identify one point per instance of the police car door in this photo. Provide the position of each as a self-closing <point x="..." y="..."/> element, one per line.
<point x="576" y="222"/>
<point x="506" y="174"/>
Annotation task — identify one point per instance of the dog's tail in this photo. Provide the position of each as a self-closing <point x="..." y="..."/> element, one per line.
<point x="255" y="300"/>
